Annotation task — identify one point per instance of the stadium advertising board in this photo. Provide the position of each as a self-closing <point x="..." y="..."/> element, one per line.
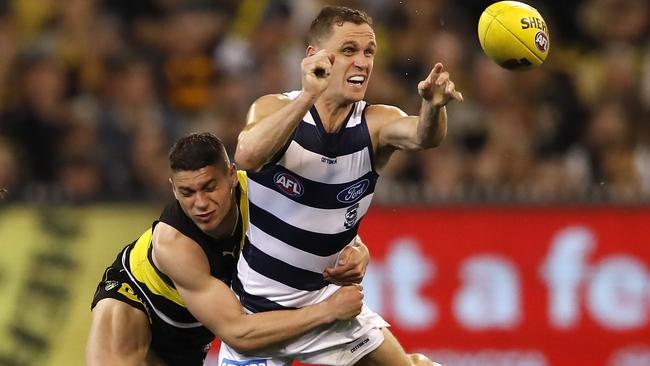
<point x="467" y="286"/>
<point x="497" y="286"/>
<point x="514" y="286"/>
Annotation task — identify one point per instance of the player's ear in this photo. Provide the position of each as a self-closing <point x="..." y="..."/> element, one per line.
<point x="232" y="172"/>
<point x="173" y="187"/>
<point x="311" y="50"/>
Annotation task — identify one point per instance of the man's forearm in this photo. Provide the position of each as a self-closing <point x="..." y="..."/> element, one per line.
<point x="432" y="125"/>
<point x="262" y="330"/>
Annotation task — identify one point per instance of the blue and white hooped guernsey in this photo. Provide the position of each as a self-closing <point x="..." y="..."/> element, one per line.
<point x="305" y="207"/>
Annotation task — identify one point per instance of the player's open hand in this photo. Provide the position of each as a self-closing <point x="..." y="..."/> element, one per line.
<point x="316" y="72"/>
<point x="351" y="265"/>
<point x="438" y="88"/>
<point x="346" y="302"/>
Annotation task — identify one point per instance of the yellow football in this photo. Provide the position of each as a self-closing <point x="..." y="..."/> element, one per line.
<point x="514" y="35"/>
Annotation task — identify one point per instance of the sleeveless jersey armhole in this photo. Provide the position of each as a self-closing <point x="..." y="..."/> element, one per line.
<point x="274" y="160"/>
<point x="371" y="148"/>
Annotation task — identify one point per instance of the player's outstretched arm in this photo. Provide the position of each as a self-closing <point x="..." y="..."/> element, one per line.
<point x="214" y="305"/>
<point x="394" y="129"/>
<point x="272" y="118"/>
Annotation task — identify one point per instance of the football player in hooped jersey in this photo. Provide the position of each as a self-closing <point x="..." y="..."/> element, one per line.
<point x="166" y="295"/>
<point x="313" y="157"/>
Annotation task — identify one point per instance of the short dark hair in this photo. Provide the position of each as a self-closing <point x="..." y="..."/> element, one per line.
<point x="197" y="150"/>
<point x="322" y="25"/>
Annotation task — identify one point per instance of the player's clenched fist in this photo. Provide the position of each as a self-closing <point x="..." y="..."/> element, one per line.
<point x="438" y="88"/>
<point x="316" y="72"/>
<point x="351" y="264"/>
<point x="346" y="302"/>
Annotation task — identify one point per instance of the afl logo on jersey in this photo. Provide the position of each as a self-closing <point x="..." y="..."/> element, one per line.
<point x="288" y="184"/>
<point x="353" y="192"/>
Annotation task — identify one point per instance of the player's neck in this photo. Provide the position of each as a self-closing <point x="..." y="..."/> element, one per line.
<point x="332" y="113"/>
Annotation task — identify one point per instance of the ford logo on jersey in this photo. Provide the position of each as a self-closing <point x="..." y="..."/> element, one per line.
<point x="288" y="184"/>
<point x="354" y="192"/>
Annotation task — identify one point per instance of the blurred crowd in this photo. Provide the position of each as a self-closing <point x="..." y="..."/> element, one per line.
<point x="93" y="93"/>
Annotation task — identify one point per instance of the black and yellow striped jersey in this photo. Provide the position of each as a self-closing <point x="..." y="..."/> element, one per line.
<point x="162" y="299"/>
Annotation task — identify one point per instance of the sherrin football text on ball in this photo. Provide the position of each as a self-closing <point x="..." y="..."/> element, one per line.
<point x="514" y="35"/>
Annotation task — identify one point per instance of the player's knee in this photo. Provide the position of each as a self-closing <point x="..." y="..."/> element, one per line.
<point x="421" y="360"/>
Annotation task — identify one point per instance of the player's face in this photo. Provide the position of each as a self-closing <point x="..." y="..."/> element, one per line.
<point x="206" y="195"/>
<point x="354" y="47"/>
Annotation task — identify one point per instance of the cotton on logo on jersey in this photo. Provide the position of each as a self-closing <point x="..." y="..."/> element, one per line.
<point x="359" y="345"/>
<point x="288" y="184"/>
<point x="354" y="192"/>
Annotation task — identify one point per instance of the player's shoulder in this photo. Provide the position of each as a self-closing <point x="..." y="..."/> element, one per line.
<point x="166" y="233"/>
<point x="382" y="113"/>
<point x="169" y="243"/>
<point x="267" y="104"/>
<point x="273" y="100"/>
<point x="178" y="256"/>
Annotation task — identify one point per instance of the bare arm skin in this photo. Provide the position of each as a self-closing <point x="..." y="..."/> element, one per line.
<point x="273" y="118"/>
<point x="215" y="306"/>
<point x="391" y="129"/>
<point x="270" y="121"/>
<point x="351" y="266"/>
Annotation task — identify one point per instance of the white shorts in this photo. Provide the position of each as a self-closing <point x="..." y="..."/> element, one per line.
<point x="339" y="344"/>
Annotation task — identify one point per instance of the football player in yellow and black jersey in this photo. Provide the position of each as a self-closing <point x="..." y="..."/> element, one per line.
<point x="167" y="294"/>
